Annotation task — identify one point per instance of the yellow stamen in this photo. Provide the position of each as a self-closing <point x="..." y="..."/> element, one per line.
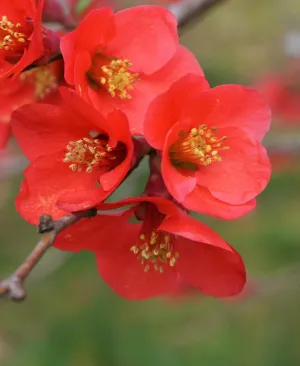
<point x="199" y="147"/>
<point x="11" y="39"/>
<point x="113" y="75"/>
<point x="118" y="78"/>
<point x="155" y="250"/>
<point x="87" y="154"/>
<point x="43" y="78"/>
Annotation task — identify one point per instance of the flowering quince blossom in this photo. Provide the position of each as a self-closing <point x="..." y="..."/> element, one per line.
<point x="35" y="85"/>
<point x="212" y="158"/>
<point x="147" y="258"/>
<point x="72" y="149"/>
<point x="21" y="35"/>
<point x="124" y="60"/>
<point x="133" y="91"/>
<point x="282" y="96"/>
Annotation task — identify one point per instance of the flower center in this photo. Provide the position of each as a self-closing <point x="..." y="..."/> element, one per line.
<point x="43" y="79"/>
<point x="155" y="250"/>
<point x="198" y="147"/>
<point x="115" y="76"/>
<point x="88" y="154"/>
<point x="12" y="36"/>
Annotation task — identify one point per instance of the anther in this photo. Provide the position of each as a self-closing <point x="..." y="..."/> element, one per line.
<point x="199" y="147"/>
<point x="87" y="154"/>
<point x="155" y="248"/>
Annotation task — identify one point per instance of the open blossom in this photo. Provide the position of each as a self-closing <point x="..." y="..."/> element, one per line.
<point x="146" y="259"/>
<point x="124" y="60"/>
<point x="35" y="85"/>
<point x="212" y="158"/>
<point x="21" y="35"/>
<point x="72" y="149"/>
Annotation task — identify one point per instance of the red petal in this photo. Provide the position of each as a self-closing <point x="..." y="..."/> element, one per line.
<point x="243" y="172"/>
<point x="243" y="108"/>
<point x="16" y="10"/>
<point x="231" y="106"/>
<point x="112" y="179"/>
<point x="166" y="109"/>
<point x="178" y="185"/>
<point x="13" y="94"/>
<point x="83" y="62"/>
<point x="78" y="236"/>
<point x="82" y="200"/>
<point x="201" y="200"/>
<point x="214" y="271"/>
<point x="136" y="27"/>
<point x="206" y="261"/>
<point x="46" y="179"/>
<point x="95" y="120"/>
<point x="165" y="206"/>
<point x="44" y="129"/>
<point x="92" y="32"/>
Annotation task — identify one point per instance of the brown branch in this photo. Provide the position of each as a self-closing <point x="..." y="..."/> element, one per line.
<point x="13" y="286"/>
<point x="187" y="11"/>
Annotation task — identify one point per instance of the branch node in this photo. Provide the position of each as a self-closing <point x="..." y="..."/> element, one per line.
<point x="16" y="289"/>
<point x="46" y="224"/>
<point x="91" y="212"/>
<point x="13" y="288"/>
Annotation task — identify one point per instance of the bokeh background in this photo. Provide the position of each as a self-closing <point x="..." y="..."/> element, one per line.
<point x="72" y="318"/>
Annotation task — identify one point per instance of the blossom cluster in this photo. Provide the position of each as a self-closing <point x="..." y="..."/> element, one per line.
<point x="89" y="103"/>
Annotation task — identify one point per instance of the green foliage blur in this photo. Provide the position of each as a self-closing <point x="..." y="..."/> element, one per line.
<point x="72" y="318"/>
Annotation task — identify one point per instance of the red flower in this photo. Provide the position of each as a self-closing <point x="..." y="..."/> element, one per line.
<point x="13" y="94"/>
<point x="124" y="60"/>
<point x="283" y="98"/>
<point x="212" y="159"/>
<point x="37" y="84"/>
<point x="72" y="149"/>
<point x="143" y="260"/>
<point x="21" y="36"/>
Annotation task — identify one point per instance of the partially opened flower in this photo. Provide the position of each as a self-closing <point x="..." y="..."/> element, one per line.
<point x="124" y="60"/>
<point x="21" y="35"/>
<point x="212" y="158"/>
<point x="72" y="150"/>
<point x="282" y="96"/>
<point x="143" y="259"/>
<point x="35" y="85"/>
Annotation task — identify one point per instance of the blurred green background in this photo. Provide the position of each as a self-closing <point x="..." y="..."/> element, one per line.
<point x="71" y="318"/>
